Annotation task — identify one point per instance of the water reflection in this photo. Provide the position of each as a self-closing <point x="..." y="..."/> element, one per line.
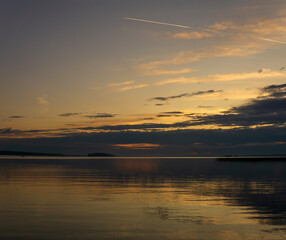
<point x="136" y="165"/>
<point x="142" y="199"/>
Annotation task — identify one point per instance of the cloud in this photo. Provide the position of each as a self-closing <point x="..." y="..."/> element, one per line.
<point x="69" y="114"/>
<point x="157" y="72"/>
<point x="101" y="115"/>
<point x="258" y="122"/>
<point x="185" y="95"/>
<point x="188" y="35"/>
<point x="156" y="22"/>
<point x="272" y="40"/>
<point x="138" y="146"/>
<point x="170" y="97"/>
<point x="270" y="30"/>
<point x="275" y="90"/>
<point x="264" y="110"/>
<point x="262" y="70"/>
<point x="170" y="114"/>
<point x="225" y="77"/>
<point x="213" y="142"/>
<point x="183" y="57"/>
<point x="256" y="126"/>
<point x="164" y="115"/>
<point x="133" y="87"/>
<point x="42" y="101"/>
<point x="174" y="112"/>
<point x="237" y="39"/>
<point x="5" y="131"/>
<point x="15" y="117"/>
<point x="120" y="84"/>
<point x="268" y="109"/>
<point x="143" y="126"/>
<point x="205" y="106"/>
<point x="265" y="27"/>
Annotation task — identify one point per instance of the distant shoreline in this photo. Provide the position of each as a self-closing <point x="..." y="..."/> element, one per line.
<point x="36" y="154"/>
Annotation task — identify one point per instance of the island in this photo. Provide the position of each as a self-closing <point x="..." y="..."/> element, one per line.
<point x="18" y="153"/>
<point x="37" y="154"/>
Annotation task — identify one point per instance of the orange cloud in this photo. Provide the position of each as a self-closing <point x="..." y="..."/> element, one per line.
<point x="225" y="77"/>
<point x="133" y="87"/>
<point x="167" y="72"/>
<point x="244" y="49"/>
<point x="42" y="101"/>
<point x="120" y="84"/>
<point x="139" y="146"/>
<point x="237" y="39"/>
<point x="188" y="35"/>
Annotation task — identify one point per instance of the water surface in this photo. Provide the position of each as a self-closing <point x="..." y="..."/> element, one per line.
<point x="141" y="198"/>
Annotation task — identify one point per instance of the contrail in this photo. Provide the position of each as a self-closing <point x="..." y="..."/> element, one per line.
<point x="182" y="26"/>
<point x="272" y="40"/>
<point x="168" y="24"/>
<point x="163" y="23"/>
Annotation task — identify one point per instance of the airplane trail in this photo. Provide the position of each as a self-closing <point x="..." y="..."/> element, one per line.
<point x="182" y="26"/>
<point x="168" y="24"/>
<point x="272" y="40"/>
<point x="162" y="23"/>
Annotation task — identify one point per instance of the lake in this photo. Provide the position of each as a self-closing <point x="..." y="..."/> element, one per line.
<point x="141" y="198"/>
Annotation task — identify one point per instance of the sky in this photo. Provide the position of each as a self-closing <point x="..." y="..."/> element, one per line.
<point x="143" y="78"/>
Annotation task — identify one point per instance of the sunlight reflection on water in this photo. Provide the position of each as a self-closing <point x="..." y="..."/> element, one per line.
<point x="141" y="199"/>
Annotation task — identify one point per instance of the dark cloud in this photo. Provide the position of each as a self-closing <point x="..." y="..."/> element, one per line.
<point x="101" y="115"/>
<point x="170" y="114"/>
<point x="213" y="142"/>
<point x="174" y="112"/>
<point x="184" y="95"/>
<point x="205" y="106"/>
<point x="189" y="114"/>
<point x="144" y="126"/>
<point x="267" y="111"/>
<point x="270" y="110"/>
<point x="68" y="114"/>
<point x="271" y="106"/>
<point x="170" y="97"/>
<point x="273" y="88"/>
<point x="164" y="115"/>
<point x="275" y="91"/>
<point x="8" y="131"/>
<point x="15" y="117"/>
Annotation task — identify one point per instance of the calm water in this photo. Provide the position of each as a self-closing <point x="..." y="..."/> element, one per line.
<point x="140" y="198"/>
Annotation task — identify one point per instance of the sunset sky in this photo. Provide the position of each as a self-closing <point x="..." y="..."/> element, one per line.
<point x="143" y="78"/>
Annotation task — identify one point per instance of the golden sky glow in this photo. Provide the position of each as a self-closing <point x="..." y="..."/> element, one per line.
<point x="99" y="69"/>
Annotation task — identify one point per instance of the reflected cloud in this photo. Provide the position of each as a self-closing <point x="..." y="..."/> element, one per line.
<point x="165" y="213"/>
<point x="136" y="165"/>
